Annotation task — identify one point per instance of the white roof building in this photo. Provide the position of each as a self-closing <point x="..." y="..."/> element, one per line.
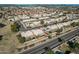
<point x="23" y="16"/>
<point x="38" y="32"/>
<point x="32" y="33"/>
<point x="53" y="28"/>
<point x="66" y="24"/>
<point x="35" y="24"/>
<point x="36" y="15"/>
<point x="46" y="15"/>
<point x="43" y="17"/>
<point x="28" y="20"/>
<point x="27" y="34"/>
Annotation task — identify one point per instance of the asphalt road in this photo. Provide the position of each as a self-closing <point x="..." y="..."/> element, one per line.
<point x="52" y="43"/>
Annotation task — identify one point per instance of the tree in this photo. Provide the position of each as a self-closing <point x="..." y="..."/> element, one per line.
<point x="1" y="37"/>
<point x="67" y="52"/>
<point x="48" y="50"/>
<point x="71" y="44"/>
<point x="21" y="39"/>
<point x="45" y="25"/>
<point x="58" y="31"/>
<point x="42" y="21"/>
<point x="1" y="14"/>
<point x="75" y="24"/>
<point x="50" y="31"/>
<point x="15" y="27"/>
<point x="77" y="45"/>
<point x="49" y="36"/>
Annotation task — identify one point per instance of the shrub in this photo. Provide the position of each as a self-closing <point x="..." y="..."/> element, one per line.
<point x="42" y="21"/>
<point x="67" y="52"/>
<point x="1" y="37"/>
<point x="75" y="24"/>
<point x="21" y="39"/>
<point x="15" y="27"/>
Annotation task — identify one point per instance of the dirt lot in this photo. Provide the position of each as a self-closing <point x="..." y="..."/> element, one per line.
<point x="9" y="42"/>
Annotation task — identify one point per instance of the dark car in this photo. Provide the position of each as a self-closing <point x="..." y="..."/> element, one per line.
<point x="59" y="39"/>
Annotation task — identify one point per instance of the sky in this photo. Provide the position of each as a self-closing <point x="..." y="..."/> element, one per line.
<point x="39" y="1"/>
